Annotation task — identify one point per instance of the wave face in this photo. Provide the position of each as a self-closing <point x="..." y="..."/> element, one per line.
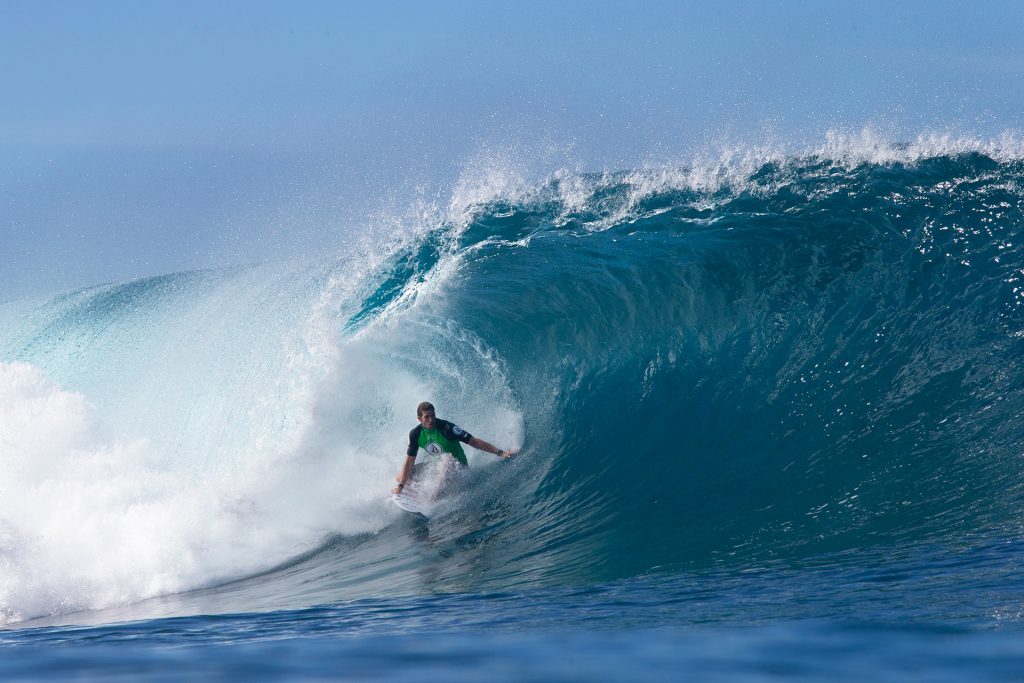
<point x="768" y="359"/>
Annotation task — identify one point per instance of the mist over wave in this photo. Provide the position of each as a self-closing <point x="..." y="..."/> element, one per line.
<point x="756" y="356"/>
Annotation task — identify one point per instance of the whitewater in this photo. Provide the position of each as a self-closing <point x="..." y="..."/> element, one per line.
<point x="768" y="404"/>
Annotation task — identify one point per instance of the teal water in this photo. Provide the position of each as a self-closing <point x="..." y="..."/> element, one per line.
<point x="768" y="416"/>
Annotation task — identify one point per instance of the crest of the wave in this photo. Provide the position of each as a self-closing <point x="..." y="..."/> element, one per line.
<point x="870" y="146"/>
<point x="508" y="174"/>
<point x="507" y="181"/>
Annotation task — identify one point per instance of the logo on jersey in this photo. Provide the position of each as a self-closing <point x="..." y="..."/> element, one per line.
<point x="457" y="430"/>
<point x="433" y="448"/>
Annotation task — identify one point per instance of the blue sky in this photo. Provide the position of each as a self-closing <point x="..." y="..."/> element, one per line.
<point x="144" y="137"/>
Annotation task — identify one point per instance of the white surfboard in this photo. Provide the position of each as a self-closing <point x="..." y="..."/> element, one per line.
<point x="409" y="502"/>
<point x="423" y="490"/>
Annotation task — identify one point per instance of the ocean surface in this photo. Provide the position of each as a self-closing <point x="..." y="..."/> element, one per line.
<point x="769" y="411"/>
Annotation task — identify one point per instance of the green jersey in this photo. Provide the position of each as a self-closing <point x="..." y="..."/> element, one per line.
<point x="443" y="438"/>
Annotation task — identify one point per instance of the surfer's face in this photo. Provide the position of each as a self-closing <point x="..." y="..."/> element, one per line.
<point x="427" y="419"/>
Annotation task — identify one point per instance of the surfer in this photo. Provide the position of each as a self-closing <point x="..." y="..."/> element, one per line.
<point x="440" y="436"/>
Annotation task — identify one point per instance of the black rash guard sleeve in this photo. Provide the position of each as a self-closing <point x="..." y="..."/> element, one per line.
<point x="452" y="432"/>
<point x="414" y="441"/>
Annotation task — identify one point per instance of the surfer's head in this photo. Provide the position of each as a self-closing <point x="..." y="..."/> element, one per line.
<point x="425" y="414"/>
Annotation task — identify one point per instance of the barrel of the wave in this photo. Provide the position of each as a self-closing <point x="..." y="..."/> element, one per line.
<point x="765" y="368"/>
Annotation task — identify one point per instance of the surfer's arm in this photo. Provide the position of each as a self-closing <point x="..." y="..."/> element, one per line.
<point x="410" y="459"/>
<point x="403" y="476"/>
<point x="488" y="448"/>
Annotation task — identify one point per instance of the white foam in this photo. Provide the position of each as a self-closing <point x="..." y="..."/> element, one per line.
<point x="77" y="507"/>
<point x="221" y="431"/>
